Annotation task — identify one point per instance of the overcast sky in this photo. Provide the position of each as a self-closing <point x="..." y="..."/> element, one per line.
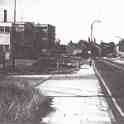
<point x="73" y="18"/>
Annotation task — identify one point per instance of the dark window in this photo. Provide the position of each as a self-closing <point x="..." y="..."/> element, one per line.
<point x="7" y="29"/>
<point x="1" y="29"/>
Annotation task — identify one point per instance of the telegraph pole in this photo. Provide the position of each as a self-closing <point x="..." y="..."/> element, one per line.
<point x="14" y="11"/>
<point x="14" y="38"/>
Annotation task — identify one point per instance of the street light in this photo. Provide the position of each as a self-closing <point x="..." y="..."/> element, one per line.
<point x="92" y="45"/>
<point x="92" y="24"/>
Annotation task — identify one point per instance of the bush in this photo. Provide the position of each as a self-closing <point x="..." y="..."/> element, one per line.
<point x="20" y="103"/>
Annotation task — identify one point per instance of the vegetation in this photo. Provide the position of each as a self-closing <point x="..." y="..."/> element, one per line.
<point x="22" y="104"/>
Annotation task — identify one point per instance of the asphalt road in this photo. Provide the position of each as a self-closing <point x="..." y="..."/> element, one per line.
<point x="111" y="71"/>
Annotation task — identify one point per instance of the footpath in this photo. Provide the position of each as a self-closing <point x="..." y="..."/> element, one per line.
<point x="77" y="98"/>
<point x="112" y="79"/>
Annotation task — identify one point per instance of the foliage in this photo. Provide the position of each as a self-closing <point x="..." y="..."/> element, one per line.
<point x="20" y="103"/>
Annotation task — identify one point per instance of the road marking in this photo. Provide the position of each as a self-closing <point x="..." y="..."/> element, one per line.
<point x="109" y="92"/>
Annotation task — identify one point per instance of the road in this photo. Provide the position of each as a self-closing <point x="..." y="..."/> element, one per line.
<point x="77" y="99"/>
<point x="111" y="71"/>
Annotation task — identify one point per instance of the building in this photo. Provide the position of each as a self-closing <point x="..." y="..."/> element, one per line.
<point x="121" y="45"/>
<point x="44" y="37"/>
<point x="31" y="39"/>
<point x="5" y="40"/>
<point x="6" y="44"/>
<point x="108" y="49"/>
<point x="24" y="39"/>
<point x="28" y="39"/>
<point x="73" y="48"/>
<point x="120" y="48"/>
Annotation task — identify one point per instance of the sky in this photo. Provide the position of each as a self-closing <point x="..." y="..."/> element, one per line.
<point x="72" y="18"/>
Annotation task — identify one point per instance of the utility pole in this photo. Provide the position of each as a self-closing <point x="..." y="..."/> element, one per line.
<point x="14" y="11"/>
<point x="14" y="38"/>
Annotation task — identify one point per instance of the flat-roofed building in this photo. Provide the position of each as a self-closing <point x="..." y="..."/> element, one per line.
<point x="45" y="36"/>
<point x="24" y="39"/>
<point x="32" y="39"/>
<point x="5" y="42"/>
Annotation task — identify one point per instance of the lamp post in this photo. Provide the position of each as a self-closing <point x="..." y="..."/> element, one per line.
<point x="92" y="50"/>
<point x="92" y="28"/>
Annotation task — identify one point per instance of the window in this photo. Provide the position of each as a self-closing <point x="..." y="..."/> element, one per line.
<point x="7" y="29"/>
<point x="44" y="29"/>
<point x="1" y="29"/>
<point x="4" y="29"/>
<point x="44" y="38"/>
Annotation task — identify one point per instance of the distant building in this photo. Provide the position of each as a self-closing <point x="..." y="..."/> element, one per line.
<point x="28" y="39"/>
<point x="121" y="45"/>
<point x="44" y="36"/>
<point x="5" y="42"/>
<point x="24" y="39"/>
<point x="73" y="48"/>
<point x="120" y="48"/>
<point x="108" y="49"/>
<point x="32" y="38"/>
<point x="5" y="39"/>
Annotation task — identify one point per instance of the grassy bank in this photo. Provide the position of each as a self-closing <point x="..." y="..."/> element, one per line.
<point x="22" y="104"/>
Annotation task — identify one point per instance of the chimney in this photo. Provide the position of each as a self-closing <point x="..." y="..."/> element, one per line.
<point x="5" y="15"/>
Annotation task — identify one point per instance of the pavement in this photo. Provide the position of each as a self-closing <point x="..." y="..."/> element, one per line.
<point x="77" y="98"/>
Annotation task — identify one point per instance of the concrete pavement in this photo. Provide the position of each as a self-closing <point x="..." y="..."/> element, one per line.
<point x="77" y="100"/>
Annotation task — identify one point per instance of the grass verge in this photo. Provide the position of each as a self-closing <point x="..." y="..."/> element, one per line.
<point x="22" y="104"/>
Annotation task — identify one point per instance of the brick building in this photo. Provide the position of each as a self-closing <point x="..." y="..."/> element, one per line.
<point x="44" y="37"/>
<point x="24" y="39"/>
<point x="32" y="38"/>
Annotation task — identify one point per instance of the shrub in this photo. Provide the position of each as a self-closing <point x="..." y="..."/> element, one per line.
<point x="21" y="103"/>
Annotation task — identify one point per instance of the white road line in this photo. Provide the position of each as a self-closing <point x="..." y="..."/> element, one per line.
<point x="110" y="94"/>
